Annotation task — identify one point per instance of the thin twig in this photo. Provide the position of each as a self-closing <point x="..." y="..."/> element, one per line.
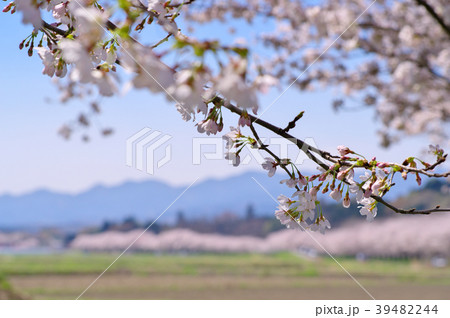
<point x="266" y="149"/>
<point x="306" y="148"/>
<point x="425" y="172"/>
<point x="410" y="211"/>
<point x="55" y="29"/>
<point x="292" y="123"/>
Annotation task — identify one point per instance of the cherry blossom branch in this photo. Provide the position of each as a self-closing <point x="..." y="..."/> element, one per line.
<point x="293" y="122"/>
<point x="305" y="147"/>
<point x="338" y="176"/>
<point x="410" y="211"/>
<point x="307" y="150"/>
<point x="425" y="171"/>
<point x="54" y="29"/>
<point x="264" y="147"/>
<point x="435" y="16"/>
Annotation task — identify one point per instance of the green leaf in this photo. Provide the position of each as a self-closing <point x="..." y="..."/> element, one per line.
<point x="179" y="44"/>
<point x="243" y="52"/>
<point x="124" y="4"/>
<point x="123" y="32"/>
<point x="199" y="51"/>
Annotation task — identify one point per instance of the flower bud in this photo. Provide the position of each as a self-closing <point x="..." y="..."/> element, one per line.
<point x="404" y="175"/>
<point x="377" y="185"/>
<point x="343" y="150"/>
<point x="346" y="201"/>
<point x="341" y="175"/>
<point x="302" y="180"/>
<point x="8" y="7"/>
<point x="418" y="179"/>
<point x="382" y="165"/>
<point x="313" y="192"/>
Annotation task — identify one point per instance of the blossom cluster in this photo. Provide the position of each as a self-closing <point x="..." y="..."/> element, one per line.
<point x="339" y="181"/>
<point x="405" y="76"/>
<point x="403" y="52"/>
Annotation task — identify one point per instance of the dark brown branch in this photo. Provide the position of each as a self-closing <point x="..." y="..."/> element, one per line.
<point x="438" y="162"/>
<point x="425" y="172"/>
<point x="300" y="143"/>
<point x="266" y="149"/>
<point x="54" y="29"/>
<point x="410" y="211"/>
<point x="293" y="122"/>
<point x="306" y="148"/>
<point x="111" y="26"/>
<point x="435" y="16"/>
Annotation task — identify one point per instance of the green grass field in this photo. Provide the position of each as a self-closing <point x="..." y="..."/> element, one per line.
<point x="241" y="276"/>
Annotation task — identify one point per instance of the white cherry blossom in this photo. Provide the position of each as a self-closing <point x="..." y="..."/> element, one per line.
<point x="321" y="225"/>
<point x="291" y="182"/>
<point x="208" y="126"/>
<point x="270" y="165"/>
<point x="232" y="86"/>
<point x="30" y="12"/>
<point x="368" y="209"/>
<point x="336" y="194"/>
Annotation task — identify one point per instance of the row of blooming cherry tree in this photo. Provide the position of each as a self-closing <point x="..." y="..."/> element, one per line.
<point x="404" y="74"/>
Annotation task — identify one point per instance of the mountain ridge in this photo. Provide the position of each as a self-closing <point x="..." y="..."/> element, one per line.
<point x="143" y="200"/>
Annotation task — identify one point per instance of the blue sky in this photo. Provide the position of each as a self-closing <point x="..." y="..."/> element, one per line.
<point x="35" y="157"/>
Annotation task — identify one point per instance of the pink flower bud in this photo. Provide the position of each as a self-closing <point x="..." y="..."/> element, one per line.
<point x="341" y="175"/>
<point x="8" y="7"/>
<point x="367" y="193"/>
<point x="244" y="120"/>
<point x="313" y="192"/>
<point x="418" y="179"/>
<point x="377" y="185"/>
<point x="302" y="180"/>
<point x="343" y="150"/>
<point x="382" y="165"/>
<point x="346" y="201"/>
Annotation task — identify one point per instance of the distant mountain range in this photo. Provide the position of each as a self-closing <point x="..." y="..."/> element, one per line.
<point x="145" y="201"/>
